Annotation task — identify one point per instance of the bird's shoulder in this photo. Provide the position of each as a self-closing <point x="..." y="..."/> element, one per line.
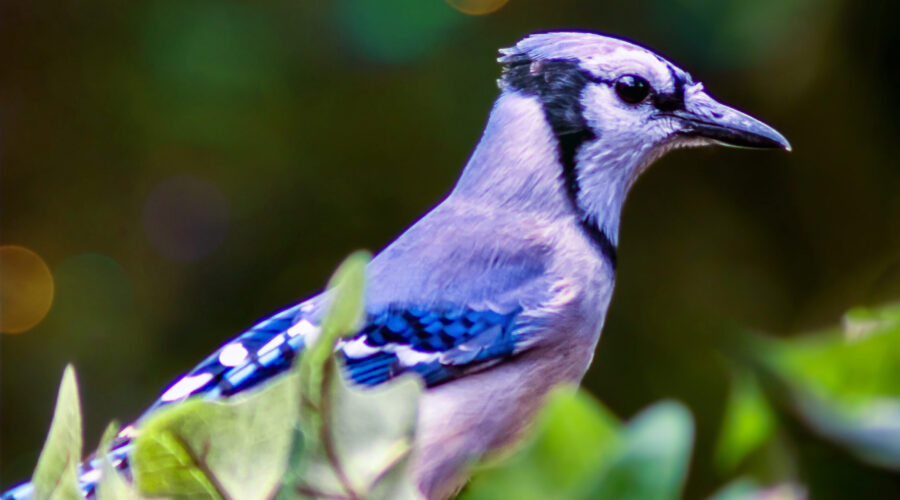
<point x="469" y="254"/>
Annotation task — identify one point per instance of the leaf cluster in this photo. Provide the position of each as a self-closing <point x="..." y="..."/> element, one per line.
<point x="312" y="435"/>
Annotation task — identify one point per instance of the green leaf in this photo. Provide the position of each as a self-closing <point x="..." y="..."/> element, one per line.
<point x="653" y="458"/>
<point x="234" y="449"/>
<point x="112" y="486"/>
<point x="573" y="438"/>
<point x="354" y="443"/>
<point x="165" y="464"/>
<point x="346" y="293"/>
<point x="56" y="476"/>
<point x="372" y="429"/>
<point x="846" y="386"/>
<point x="580" y="451"/>
<point x="366" y="437"/>
<point x="748" y="422"/>
<point x="295" y="466"/>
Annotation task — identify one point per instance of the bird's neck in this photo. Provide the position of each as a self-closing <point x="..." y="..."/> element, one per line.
<point x="516" y="166"/>
<point x="605" y="177"/>
<point x="509" y="168"/>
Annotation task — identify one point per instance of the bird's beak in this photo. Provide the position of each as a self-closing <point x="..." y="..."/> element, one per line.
<point x="707" y="118"/>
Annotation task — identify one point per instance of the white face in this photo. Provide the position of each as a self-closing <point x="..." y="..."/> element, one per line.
<point x="675" y="112"/>
<point x="614" y="108"/>
<point x="626" y="124"/>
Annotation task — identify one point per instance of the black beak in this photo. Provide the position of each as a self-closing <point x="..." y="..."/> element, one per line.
<point x="707" y="118"/>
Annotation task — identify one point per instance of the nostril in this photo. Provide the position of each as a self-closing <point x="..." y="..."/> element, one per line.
<point x="717" y="114"/>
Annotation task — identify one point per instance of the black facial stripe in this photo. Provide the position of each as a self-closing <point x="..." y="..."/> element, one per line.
<point x="558" y="84"/>
<point x="600" y="238"/>
<point x="675" y="100"/>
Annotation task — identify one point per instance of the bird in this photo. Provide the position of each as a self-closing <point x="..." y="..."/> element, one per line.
<point x="499" y="293"/>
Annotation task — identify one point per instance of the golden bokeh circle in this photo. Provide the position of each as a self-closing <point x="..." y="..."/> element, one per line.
<point x="477" y="7"/>
<point x="26" y="289"/>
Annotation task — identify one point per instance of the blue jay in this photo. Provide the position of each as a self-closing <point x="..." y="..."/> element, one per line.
<point x="500" y="292"/>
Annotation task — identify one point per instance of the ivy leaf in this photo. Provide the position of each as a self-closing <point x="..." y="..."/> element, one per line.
<point x="56" y="476"/>
<point x="234" y="449"/>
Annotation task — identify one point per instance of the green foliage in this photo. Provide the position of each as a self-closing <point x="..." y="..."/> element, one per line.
<point x="346" y="290"/>
<point x="55" y="476"/>
<point x="355" y="442"/>
<point x="363" y="443"/>
<point x="845" y="384"/>
<point x="573" y="436"/>
<point x="749" y="422"/>
<point x="652" y="460"/>
<point x="580" y="451"/>
<point x="308" y="435"/>
<point x="311" y="434"/>
<point x="205" y="449"/>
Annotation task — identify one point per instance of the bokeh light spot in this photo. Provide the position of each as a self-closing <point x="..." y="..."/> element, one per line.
<point x="185" y="217"/>
<point x="477" y="7"/>
<point x="26" y="289"/>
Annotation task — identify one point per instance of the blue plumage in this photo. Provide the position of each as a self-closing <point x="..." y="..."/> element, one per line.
<point x="437" y="341"/>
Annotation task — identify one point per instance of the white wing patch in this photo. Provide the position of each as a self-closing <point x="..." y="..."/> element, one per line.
<point x="304" y="328"/>
<point x="232" y="355"/>
<point x="185" y="387"/>
<point x="270" y="345"/>
<point x="128" y="432"/>
<point x="411" y="357"/>
<point x="357" y="348"/>
<point x="92" y="475"/>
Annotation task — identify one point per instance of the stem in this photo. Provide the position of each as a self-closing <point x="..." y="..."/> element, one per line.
<point x="314" y="493"/>
<point x="200" y="463"/>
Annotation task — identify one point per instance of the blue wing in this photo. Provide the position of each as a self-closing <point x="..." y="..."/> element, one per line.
<point x="439" y="342"/>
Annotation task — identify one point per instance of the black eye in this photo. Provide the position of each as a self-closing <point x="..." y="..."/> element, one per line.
<point x="632" y="88"/>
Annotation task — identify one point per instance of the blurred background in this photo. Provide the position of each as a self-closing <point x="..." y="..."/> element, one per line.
<point x="173" y="170"/>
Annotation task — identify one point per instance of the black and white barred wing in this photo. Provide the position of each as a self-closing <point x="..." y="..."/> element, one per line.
<point x="440" y="342"/>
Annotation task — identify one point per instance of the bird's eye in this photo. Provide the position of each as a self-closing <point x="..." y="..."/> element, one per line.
<point x="632" y="88"/>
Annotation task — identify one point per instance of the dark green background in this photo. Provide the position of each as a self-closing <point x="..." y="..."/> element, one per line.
<point x="328" y="126"/>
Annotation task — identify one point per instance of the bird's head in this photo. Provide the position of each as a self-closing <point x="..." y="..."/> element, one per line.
<point x="595" y="87"/>
<point x="613" y="108"/>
